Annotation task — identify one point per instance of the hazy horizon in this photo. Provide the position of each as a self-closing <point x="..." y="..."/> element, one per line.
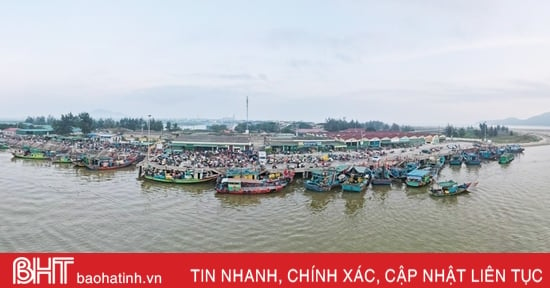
<point x="411" y="63"/>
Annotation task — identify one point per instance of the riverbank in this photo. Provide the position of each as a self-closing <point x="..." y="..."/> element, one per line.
<point x="543" y="134"/>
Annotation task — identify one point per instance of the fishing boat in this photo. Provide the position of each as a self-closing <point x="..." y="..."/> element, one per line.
<point x="419" y="177"/>
<point x="456" y="160"/>
<point x="381" y="176"/>
<point x="247" y="185"/>
<point x="506" y="158"/>
<point x="358" y="179"/>
<point x="104" y="163"/>
<point x="514" y="148"/>
<point x="62" y="159"/>
<point x="178" y="175"/>
<point x="4" y="145"/>
<point x="449" y="188"/>
<point x="325" y="180"/>
<point x="471" y="159"/>
<point x="400" y="172"/>
<point x="436" y="165"/>
<point x="31" y="153"/>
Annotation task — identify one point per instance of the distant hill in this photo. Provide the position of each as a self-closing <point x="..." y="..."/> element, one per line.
<point x="538" y="120"/>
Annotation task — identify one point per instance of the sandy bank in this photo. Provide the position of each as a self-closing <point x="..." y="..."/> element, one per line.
<point x="543" y="134"/>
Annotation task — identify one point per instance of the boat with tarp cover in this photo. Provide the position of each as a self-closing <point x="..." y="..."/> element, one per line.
<point x="177" y="175"/>
<point x="450" y="188"/>
<point x="248" y="182"/>
<point x="358" y="179"/>
<point x="419" y="177"/>
<point x="323" y="180"/>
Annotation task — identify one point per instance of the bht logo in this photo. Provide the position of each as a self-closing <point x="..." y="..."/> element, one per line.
<point x="27" y="271"/>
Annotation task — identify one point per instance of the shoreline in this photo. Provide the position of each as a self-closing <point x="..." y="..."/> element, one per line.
<point x="543" y="134"/>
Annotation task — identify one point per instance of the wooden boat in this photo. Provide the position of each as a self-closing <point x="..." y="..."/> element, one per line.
<point x="381" y="176"/>
<point x="247" y="185"/>
<point x="62" y="159"/>
<point x="456" y="160"/>
<point x="419" y="178"/>
<point x="471" y="159"/>
<point x="449" y="188"/>
<point x="4" y="146"/>
<point x="514" y="148"/>
<point x="358" y="179"/>
<point x="104" y="163"/>
<point x="400" y="172"/>
<point x="436" y="165"/>
<point x="31" y="153"/>
<point x="506" y="158"/>
<point x="179" y="175"/>
<point x="325" y="180"/>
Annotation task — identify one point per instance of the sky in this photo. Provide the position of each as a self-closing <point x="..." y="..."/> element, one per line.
<point x="420" y="62"/>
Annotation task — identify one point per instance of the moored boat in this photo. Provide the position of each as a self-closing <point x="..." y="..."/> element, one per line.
<point x="358" y="179"/>
<point x="104" y="163"/>
<point x="506" y="158"/>
<point x="514" y="148"/>
<point x="247" y="185"/>
<point x="4" y="145"/>
<point x="325" y="180"/>
<point x="381" y="176"/>
<point x="471" y="159"/>
<point x="419" y="178"/>
<point x="449" y="188"/>
<point x="456" y="160"/>
<point x="178" y="175"/>
<point x="32" y="154"/>
<point x="62" y="159"/>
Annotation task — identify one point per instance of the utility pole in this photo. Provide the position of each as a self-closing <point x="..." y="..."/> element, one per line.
<point x="246" y="131"/>
<point x="148" y="136"/>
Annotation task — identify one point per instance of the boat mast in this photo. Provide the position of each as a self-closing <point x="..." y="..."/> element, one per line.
<point x="246" y="131"/>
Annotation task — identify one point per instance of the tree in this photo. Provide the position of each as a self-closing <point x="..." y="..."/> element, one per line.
<point x="461" y="132"/>
<point x="394" y="127"/>
<point x="449" y="131"/>
<point x="86" y="122"/>
<point x="304" y="125"/>
<point x="66" y="124"/>
<point x="217" y="128"/>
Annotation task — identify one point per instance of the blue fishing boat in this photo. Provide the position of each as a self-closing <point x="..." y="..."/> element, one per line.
<point x="381" y="176"/>
<point x="450" y="188"/>
<point x="419" y="178"/>
<point x="471" y="159"/>
<point x="358" y="179"/>
<point x="401" y="171"/>
<point x="488" y="154"/>
<point x="325" y="180"/>
<point x="456" y="160"/>
<point x="514" y="148"/>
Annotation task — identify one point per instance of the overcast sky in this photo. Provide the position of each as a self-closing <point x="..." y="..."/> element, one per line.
<point x="404" y="62"/>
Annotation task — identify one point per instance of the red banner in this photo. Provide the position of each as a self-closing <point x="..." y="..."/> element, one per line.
<point x="274" y="269"/>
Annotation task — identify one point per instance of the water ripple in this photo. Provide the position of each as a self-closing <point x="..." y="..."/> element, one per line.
<point x="48" y="207"/>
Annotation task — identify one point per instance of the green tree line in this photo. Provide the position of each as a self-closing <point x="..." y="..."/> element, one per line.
<point x="484" y="131"/>
<point x="87" y="124"/>
<point x="335" y="125"/>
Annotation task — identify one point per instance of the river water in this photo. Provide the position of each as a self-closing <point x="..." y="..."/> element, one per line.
<point x="49" y="207"/>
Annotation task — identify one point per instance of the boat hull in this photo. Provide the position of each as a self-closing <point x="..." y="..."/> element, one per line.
<point x="179" y="181"/>
<point x="453" y="190"/>
<point x="355" y="187"/>
<point x="32" y="156"/>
